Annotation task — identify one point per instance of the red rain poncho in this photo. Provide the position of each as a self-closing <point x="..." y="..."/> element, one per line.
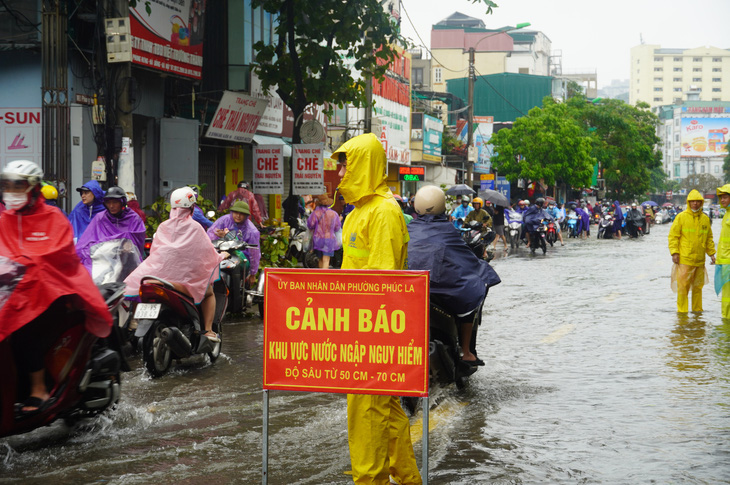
<point x="38" y="265"/>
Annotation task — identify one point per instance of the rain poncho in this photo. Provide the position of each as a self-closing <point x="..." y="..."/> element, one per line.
<point x="618" y="216"/>
<point x="324" y="224"/>
<point x="134" y="205"/>
<point x="722" y="268"/>
<point x="691" y="237"/>
<point x="460" y="212"/>
<point x="533" y="216"/>
<point x="246" y="196"/>
<point x="248" y="234"/>
<point x="458" y="277"/>
<point x="38" y="265"/>
<point x="200" y="218"/>
<point x="82" y="214"/>
<point x="125" y="235"/>
<point x="584" y="220"/>
<point x="181" y="253"/>
<point x="374" y="237"/>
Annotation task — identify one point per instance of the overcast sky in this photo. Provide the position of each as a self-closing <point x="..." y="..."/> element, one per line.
<point x="592" y="34"/>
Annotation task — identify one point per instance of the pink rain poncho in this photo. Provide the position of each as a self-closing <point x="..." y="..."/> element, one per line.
<point x="324" y="224"/>
<point x="181" y="253"/>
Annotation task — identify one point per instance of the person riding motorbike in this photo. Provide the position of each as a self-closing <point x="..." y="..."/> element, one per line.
<point x="41" y="278"/>
<point x="198" y="215"/>
<point x="558" y="217"/>
<point x="243" y="193"/>
<point x="237" y="220"/>
<point x="459" y="280"/>
<point x="533" y="217"/>
<point x="479" y="214"/>
<point x="117" y="223"/>
<point x="461" y="211"/>
<point x="634" y="220"/>
<point x="181" y="254"/>
<point x="91" y="204"/>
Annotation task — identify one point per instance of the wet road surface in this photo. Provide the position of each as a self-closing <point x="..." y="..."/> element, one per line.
<point x="591" y="377"/>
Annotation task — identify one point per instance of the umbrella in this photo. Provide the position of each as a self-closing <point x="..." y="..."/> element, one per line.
<point x="495" y="197"/>
<point x="668" y="204"/>
<point x="650" y="202"/>
<point x="460" y="189"/>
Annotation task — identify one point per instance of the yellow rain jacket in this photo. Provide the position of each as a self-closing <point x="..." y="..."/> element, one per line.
<point x="723" y="246"/>
<point x="374" y="237"/>
<point x="691" y="235"/>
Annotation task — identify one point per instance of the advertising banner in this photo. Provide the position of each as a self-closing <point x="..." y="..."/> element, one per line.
<point x="503" y="186"/>
<point x="236" y="117"/>
<point x="704" y="137"/>
<point x="170" y="37"/>
<point x="433" y="129"/>
<point x="346" y="331"/>
<point x="308" y="169"/>
<point x="486" y="181"/>
<point x="268" y="169"/>
<point x="20" y="134"/>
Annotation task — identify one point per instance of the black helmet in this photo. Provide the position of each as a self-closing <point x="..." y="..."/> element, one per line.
<point x="539" y="201"/>
<point x="116" y="193"/>
<point x="243" y="185"/>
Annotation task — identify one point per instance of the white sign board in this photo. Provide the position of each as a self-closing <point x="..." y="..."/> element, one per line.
<point x="237" y="117"/>
<point x="20" y="134"/>
<point x="268" y="169"/>
<point x="308" y="169"/>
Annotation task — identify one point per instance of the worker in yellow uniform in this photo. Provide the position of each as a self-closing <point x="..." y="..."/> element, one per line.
<point x="374" y="237"/>
<point x="722" y="270"/>
<point x="690" y="238"/>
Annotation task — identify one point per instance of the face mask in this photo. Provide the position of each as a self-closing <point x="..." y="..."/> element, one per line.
<point x="696" y="210"/>
<point x="15" y="201"/>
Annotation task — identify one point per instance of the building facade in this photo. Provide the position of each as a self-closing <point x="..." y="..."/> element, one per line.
<point x="663" y="76"/>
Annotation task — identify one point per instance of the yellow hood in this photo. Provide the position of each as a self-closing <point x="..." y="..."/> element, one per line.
<point x="366" y="165"/>
<point x="695" y="195"/>
<point x="725" y="189"/>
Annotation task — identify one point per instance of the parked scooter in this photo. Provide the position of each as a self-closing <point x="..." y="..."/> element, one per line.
<point x="298" y="241"/>
<point x="171" y="325"/>
<point x="605" y="227"/>
<point x="85" y="371"/>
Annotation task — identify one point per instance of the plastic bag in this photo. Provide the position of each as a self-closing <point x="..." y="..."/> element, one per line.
<point x="338" y="239"/>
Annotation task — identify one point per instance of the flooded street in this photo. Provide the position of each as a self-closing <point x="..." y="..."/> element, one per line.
<point x="591" y="377"/>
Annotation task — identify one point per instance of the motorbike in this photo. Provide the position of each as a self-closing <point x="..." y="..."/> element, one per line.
<point x="479" y="239"/>
<point x="85" y="371"/>
<point x="235" y="271"/>
<point x="551" y="234"/>
<point x="514" y="229"/>
<point x="605" y="227"/>
<point x="539" y="237"/>
<point x="573" y="224"/>
<point x="170" y="324"/>
<point x="634" y="226"/>
<point x="298" y="241"/>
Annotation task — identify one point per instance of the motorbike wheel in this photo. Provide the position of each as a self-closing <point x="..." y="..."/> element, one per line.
<point x="261" y="309"/>
<point x="311" y="260"/>
<point x="157" y="355"/>
<point x="217" y="328"/>
<point x="236" y="298"/>
<point x="543" y="245"/>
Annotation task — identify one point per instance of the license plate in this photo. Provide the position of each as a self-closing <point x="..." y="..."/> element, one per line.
<point x="147" y="310"/>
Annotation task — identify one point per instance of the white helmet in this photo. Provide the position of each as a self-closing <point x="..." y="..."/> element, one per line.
<point x="183" y="198"/>
<point x="430" y="200"/>
<point x="23" y="170"/>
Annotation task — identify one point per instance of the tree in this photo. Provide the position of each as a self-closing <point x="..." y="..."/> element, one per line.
<point x="624" y="141"/>
<point x="726" y="165"/>
<point x="548" y="144"/>
<point x="704" y="182"/>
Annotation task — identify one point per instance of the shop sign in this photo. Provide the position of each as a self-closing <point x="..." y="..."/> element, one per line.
<point x="308" y="169"/>
<point x="412" y="173"/>
<point x="20" y="135"/>
<point x="268" y="169"/>
<point x="236" y="117"/>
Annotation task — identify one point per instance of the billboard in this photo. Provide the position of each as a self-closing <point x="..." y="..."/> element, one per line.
<point x="704" y="137"/>
<point x="21" y="134"/>
<point x="170" y="37"/>
<point x="433" y="129"/>
<point x="236" y="117"/>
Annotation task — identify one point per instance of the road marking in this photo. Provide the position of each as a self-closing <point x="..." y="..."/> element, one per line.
<point x="558" y="334"/>
<point x="443" y="413"/>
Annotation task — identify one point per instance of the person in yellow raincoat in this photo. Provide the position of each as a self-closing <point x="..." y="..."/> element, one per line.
<point x="690" y="238"/>
<point x="374" y="237"/>
<point x="722" y="270"/>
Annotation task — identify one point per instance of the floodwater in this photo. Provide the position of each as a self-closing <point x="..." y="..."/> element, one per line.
<point x="591" y="377"/>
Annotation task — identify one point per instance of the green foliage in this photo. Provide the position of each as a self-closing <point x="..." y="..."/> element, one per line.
<point x="317" y="43"/>
<point x="273" y="250"/>
<point x="161" y="210"/>
<point x="660" y="183"/>
<point x="549" y="144"/>
<point x="574" y="89"/>
<point x="451" y="144"/>
<point x="147" y="6"/>
<point x="704" y="182"/>
<point x="726" y="165"/>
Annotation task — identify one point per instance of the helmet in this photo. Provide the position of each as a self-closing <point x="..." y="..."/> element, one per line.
<point x="464" y="198"/>
<point x="240" y="206"/>
<point x="243" y="185"/>
<point x="527" y="202"/>
<point x="116" y="193"/>
<point x="183" y="198"/>
<point x="430" y="200"/>
<point x="23" y="170"/>
<point x="477" y="200"/>
<point x="539" y="201"/>
<point x="195" y="190"/>
<point x="633" y="204"/>
<point x="131" y="196"/>
<point x="49" y="192"/>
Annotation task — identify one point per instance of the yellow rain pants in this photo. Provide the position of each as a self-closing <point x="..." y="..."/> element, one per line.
<point x="690" y="278"/>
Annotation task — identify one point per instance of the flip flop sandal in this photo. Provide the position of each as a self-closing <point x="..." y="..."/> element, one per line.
<point x="35" y="402"/>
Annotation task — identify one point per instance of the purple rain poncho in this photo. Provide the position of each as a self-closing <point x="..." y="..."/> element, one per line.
<point x="249" y="234"/>
<point x="585" y="219"/>
<point x="106" y="227"/>
<point x="324" y="224"/>
<point x="82" y="214"/>
<point x="618" y="216"/>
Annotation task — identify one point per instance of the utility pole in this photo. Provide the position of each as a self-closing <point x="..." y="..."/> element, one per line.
<point x="123" y="105"/>
<point x="470" y="122"/>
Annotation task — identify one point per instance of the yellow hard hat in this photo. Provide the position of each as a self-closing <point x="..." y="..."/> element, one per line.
<point x="49" y="192"/>
<point x="477" y="200"/>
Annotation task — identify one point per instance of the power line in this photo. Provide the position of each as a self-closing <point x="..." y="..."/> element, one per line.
<point x="423" y="44"/>
<point x="498" y="93"/>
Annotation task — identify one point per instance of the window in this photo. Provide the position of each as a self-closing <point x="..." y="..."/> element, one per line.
<point x="716" y="59"/>
<point x="717" y="169"/>
<point x="676" y="153"/>
<point x="677" y="90"/>
<point x="677" y="169"/>
<point x="677" y="79"/>
<point x="716" y="80"/>
<point x="677" y="59"/>
<point x="697" y="69"/>
<point x="702" y="169"/>
<point x="658" y="79"/>
<point x="417" y="74"/>
<point x="676" y="122"/>
<point x="716" y="69"/>
<point x="658" y="99"/>
<point x="658" y="90"/>
<point x="696" y="79"/>
<point x="658" y="59"/>
<point x="716" y="90"/>
<point x="524" y="70"/>
<point x="657" y="69"/>
<point x="676" y="138"/>
<point x="677" y="69"/>
<point x="437" y="75"/>
<point x="697" y="59"/>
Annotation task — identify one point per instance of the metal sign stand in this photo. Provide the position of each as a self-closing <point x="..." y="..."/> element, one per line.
<point x="265" y="474"/>
<point x="424" y="451"/>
